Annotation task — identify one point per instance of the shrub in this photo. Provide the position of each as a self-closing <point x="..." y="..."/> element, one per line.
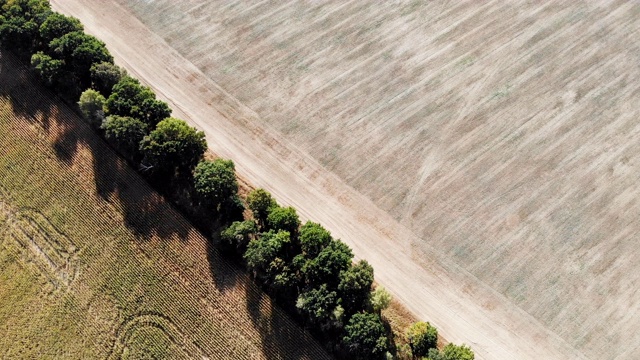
<point x="422" y="337"/>
<point x="380" y="299"/>
<point x="92" y="107"/>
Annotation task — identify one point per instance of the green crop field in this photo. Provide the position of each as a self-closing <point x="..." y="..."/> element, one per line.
<point x="94" y="264"/>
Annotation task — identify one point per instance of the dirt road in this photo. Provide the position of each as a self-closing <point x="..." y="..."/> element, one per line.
<point x="434" y="289"/>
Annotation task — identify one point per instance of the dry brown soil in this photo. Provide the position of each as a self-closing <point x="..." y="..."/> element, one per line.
<point x="481" y="155"/>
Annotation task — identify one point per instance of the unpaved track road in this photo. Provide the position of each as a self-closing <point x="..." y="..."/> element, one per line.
<point x="434" y="289"/>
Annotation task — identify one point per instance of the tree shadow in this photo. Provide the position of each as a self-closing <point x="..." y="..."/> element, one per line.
<point x="78" y="146"/>
<point x="281" y="336"/>
<point x="224" y="280"/>
<point x="278" y="329"/>
<point x="144" y="210"/>
<point x="393" y="347"/>
<point x="15" y="86"/>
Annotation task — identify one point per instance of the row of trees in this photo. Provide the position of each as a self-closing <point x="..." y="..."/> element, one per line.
<point x="302" y="266"/>
<point x="306" y="269"/>
<point x="58" y="47"/>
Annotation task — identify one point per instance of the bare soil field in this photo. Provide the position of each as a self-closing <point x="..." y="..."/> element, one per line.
<point x="481" y="155"/>
<point x="94" y="264"/>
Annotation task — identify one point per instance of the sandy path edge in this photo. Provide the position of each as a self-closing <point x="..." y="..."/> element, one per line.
<point x="434" y="289"/>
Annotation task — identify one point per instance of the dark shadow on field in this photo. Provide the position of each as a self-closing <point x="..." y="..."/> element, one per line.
<point x="144" y="210"/>
<point x="281" y="336"/>
<point x="14" y="85"/>
<point x="224" y="280"/>
<point x="277" y="331"/>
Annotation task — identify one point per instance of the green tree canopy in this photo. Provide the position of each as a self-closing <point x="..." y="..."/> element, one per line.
<point x="239" y="234"/>
<point x="79" y="52"/>
<point x="57" y="25"/>
<point x="49" y="69"/>
<point x="232" y="209"/>
<point x="319" y="306"/>
<point x="327" y="266"/>
<point x="264" y="255"/>
<point x="30" y="25"/>
<point x="451" y="352"/>
<point x="422" y="337"/>
<point x="355" y="286"/>
<point x="286" y="277"/>
<point x="129" y="98"/>
<point x="283" y="218"/>
<point x="313" y="238"/>
<point x="20" y="21"/>
<point x="92" y="107"/>
<point x="260" y="202"/>
<point x="126" y="132"/>
<point x="173" y="147"/>
<point x="380" y="299"/>
<point x="365" y="336"/>
<point x="105" y="75"/>
<point x="215" y="182"/>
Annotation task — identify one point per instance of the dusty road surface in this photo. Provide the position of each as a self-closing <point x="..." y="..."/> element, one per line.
<point x="460" y="177"/>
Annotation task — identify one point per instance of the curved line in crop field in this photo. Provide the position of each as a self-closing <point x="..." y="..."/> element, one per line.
<point x="127" y="330"/>
<point x="49" y="250"/>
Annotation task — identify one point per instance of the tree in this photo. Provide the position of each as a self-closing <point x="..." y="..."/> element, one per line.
<point x="355" y="286"/>
<point x="319" y="306"/>
<point x="422" y="337"/>
<point x="105" y="75"/>
<point x="327" y="266"/>
<point x="260" y="202"/>
<point x="92" y="107"/>
<point x="313" y="238"/>
<point x="126" y="133"/>
<point x="57" y="25"/>
<point x="129" y="98"/>
<point x="79" y="52"/>
<point x="232" y="209"/>
<point x="283" y="218"/>
<point x="365" y="336"/>
<point x="215" y="182"/>
<point x="48" y="68"/>
<point x="173" y="147"/>
<point x="239" y="234"/>
<point x="451" y="352"/>
<point x="263" y="255"/>
<point x="289" y="279"/>
<point x="20" y="21"/>
<point x="152" y="111"/>
<point x="380" y="299"/>
<point x="434" y="354"/>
